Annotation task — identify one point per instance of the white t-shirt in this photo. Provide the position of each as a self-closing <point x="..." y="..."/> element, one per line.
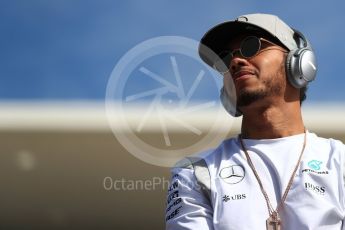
<point x="315" y="200"/>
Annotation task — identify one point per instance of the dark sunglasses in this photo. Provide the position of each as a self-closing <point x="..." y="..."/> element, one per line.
<point x="250" y="46"/>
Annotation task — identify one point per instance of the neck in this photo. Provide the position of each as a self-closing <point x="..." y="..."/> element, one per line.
<point x="272" y="121"/>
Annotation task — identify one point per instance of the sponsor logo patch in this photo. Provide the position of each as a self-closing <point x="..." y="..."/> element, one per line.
<point x="315" y="164"/>
<point x="233" y="174"/>
<point x="314" y="167"/>
<point x="227" y="198"/>
<point x="320" y="190"/>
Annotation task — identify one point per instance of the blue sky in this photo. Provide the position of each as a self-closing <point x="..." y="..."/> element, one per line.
<point x="66" y="50"/>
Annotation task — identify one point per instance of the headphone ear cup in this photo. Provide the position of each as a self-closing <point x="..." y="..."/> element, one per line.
<point x="301" y="67"/>
<point x="288" y="67"/>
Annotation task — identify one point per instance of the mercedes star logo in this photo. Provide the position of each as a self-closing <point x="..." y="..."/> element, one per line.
<point x="233" y="174"/>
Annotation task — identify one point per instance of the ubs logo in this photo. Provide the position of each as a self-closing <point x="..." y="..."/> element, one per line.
<point x="233" y="174"/>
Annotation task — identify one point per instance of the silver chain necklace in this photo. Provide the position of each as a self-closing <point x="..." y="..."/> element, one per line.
<point x="273" y="222"/>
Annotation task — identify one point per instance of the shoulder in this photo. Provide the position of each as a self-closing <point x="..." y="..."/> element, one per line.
<point x="214" y="156"/>
<point x="332" y="144"/>
<point x="326" y="149"/>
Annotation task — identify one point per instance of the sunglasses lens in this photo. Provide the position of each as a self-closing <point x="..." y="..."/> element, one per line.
<point x="250" y="46"/>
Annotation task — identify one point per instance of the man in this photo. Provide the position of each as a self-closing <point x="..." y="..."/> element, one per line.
<point x="275" y="174"/>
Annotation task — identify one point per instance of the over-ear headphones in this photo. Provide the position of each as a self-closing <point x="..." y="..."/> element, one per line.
<point x="301" y="64"/>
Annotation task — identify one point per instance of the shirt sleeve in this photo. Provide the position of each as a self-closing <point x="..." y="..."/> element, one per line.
<point x="343" y="176"/>
<point x="187" y="206"/>
<point x="343" y="163"/>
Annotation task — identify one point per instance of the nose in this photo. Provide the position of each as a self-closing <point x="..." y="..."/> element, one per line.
<point x="237" y="62"/>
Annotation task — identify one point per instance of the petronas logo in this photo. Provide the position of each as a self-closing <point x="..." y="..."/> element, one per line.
<point x="314" y="164"/>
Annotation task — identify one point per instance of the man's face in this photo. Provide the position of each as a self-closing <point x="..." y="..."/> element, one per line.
<point x="259" y="77"/>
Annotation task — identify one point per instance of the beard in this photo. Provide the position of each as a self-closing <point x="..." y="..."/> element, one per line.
<point x="272" y="87"/>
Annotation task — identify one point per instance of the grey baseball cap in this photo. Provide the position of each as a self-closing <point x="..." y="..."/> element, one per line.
<point x="219" y="36"/>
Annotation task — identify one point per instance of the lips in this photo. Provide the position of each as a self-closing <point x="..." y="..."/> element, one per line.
<point x="242" y="74"/>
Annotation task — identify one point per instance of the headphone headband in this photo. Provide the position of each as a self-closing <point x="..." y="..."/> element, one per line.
<point x="298" y="36"/>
